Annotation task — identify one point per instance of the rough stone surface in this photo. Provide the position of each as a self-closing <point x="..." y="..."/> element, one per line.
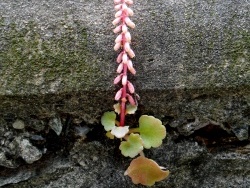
<point x="193" y="72"/>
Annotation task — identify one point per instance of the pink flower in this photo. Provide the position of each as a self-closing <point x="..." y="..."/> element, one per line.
<point x="117" y="1"/>
<point x="124" y="7"/>
<point x="118" y="7"/>
<point x="119" y="68"/>
<point x="129" y="2"/>
<point x="118" y="79"/>
<point x="124" y="80"/>
<point x="131" y="53"/>
<point x="117" y="46"/>
<point x="116" y="21"/>
<point x="118" y="95"/>
<point x="127" y="47"/>
<point x="130" y="12"/>
<point x="131" y="99"/>
<point x="127" y="36"/>
<point x="118" y="38"/>
<point x="124" y="28"/>
<point x="130" y="67"/>
<point x="124" y="58"/>
<point x="129" y="22"/>
<point x="119" y="58"/>
<point x="131" y="87"/>
<point x="118" y="13"/>
<point x="117" y="29"/>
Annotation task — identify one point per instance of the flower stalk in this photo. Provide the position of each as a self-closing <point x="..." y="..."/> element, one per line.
<point x="150" y="131"/>
<point x="122" y="44"/>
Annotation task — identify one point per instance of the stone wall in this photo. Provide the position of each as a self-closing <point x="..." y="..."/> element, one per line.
<point x="56" y="69"/>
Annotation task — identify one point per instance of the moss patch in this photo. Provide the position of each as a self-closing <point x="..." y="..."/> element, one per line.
<point x="33" y="62"/>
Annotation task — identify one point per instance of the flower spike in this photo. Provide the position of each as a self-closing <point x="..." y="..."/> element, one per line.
<point x="122" y="42"/>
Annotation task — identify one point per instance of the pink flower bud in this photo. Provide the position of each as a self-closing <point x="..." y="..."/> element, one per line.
<point x="118" y="13"/>
<point x="130" y="64"/>
<point x="127" y="47"/>
<point x="124" y="58"/>
<point x="119" y="68"/>
<point x="124" y="7"/>
<point x="117" y="79"/>
<point x="118" y="38"/>
<point x="118" y="7"/>
<point x="127" y="36"/>
<point x="131" y="87"/>
<point x="131" y="99"/>
<point x="132" y="70"/>
<point x="117" y="29"/>
<point x="131" y="53"/>
<point x="129" y="2"/>
<point x="130" y="67"/>
<point x="117" y="46"/>
<point x="119" y="58"/>
<point x="130" y="12"/>
<point x="116" y="21"/>
<point x="117" y="1"/>
<point x="124" y="28"/>
<point x="118" y="94"/>
<point x="129" y="22"/>
<point x="124" y="80"/>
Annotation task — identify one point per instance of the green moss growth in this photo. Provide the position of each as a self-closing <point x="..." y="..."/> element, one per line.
<point x="32" y="62"/>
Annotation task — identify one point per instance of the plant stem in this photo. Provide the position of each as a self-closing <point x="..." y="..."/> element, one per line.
<point x="123" y="100"/>
<point x="142" y="154"/>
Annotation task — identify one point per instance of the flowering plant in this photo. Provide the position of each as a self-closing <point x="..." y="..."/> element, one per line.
<point x="150" y="131"/>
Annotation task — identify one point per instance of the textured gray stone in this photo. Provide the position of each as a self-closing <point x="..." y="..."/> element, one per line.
<point x="193" y="72"/>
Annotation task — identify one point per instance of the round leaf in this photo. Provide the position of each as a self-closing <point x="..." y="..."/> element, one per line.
<point x="108" y="120"/>
<point x="145" y="171"/>
<point x="131" y="109"/>
<point x="152" y="131"/>
<point x="132" y="147"/>
<point x="120" y="132"/>
<point x="109" y="135"/>
<point x="117" y="108"/>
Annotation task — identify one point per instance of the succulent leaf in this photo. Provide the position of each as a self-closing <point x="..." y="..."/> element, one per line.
<point x="145" y="171"/>
<point x="131" y="109"/>
<point x="152" y="131"/>
<point x="117" y="108"/>
<point x="132" y="147"/>
<point x="120" y="132"/>
<point x="109" y="135"/>
<point x="108" y="120"/>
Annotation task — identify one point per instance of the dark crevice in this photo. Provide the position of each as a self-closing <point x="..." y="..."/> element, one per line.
<point x="210" y="136"/>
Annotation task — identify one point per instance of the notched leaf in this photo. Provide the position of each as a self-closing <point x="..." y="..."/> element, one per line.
<point x="109" y="135"/>
<point x="152" y="131"/>
<point x="120" y="132"/>
<point x="117" y="108"/>
<point x="108" y="120"/>
<point x="145" y="171"/>
<point x="131" y="109"/>
<point x="132" y="147"/>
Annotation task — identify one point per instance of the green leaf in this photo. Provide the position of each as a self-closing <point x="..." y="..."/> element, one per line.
<point x="152" y="131"/>
<point x="117" y="108"/>
<point x="145" y="171"/>
<point x="131" y="109"/>
<point x="108" y="120"/>
<point x="109" y="135"/>
<point x="132" y="147"/>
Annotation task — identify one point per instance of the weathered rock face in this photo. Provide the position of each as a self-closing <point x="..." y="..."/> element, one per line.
<point x="56" y="72"/>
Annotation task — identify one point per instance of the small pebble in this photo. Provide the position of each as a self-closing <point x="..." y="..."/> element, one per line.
<point x="18" y="124"/>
